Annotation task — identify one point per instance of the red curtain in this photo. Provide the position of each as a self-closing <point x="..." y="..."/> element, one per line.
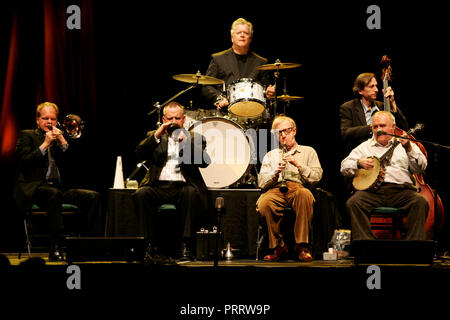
<point x="8" y="128"/>
<point x="47" y="62"/>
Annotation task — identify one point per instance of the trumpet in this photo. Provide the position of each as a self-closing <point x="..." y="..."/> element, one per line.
<point x="283" y="186"/>
<point x="72" y="126"/>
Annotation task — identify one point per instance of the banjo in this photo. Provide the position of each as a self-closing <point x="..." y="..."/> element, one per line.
<point x="371" y="179"/>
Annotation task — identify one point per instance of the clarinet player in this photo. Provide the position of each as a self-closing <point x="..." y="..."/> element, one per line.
<point x="295" y="169"/>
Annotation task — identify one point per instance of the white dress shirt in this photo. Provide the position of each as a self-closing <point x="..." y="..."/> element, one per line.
<point x="171" y="171"/>
<point x="400" y="168"/>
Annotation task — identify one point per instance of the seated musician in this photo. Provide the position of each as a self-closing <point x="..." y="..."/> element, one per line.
<point x="397" y="189"/>
<point x="43" y="178"/>
<point x="299" y="166"/>
<point x="174" y="178"/>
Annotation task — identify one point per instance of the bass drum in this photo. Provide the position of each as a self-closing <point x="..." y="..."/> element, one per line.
<point x="228" y="148"/>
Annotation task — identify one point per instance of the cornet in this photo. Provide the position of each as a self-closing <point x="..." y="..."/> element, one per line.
<point x="71" y="126"/>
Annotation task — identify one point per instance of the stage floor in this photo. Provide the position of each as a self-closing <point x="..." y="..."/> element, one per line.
<point x="241" y="282"/>
<point x="441" y="262"/>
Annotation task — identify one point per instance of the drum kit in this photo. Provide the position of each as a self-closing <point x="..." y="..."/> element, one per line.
<point x="229" y="147"/>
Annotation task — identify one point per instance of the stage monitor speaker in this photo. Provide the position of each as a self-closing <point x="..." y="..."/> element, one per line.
<point x="384" y="251"/>
<point x="128" y="249"/>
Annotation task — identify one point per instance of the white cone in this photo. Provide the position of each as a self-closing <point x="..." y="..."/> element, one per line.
<point x="118" y="178"/>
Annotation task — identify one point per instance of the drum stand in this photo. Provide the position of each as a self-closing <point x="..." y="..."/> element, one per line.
<point x="158" y="106"/>
<point x="276" y="75"/>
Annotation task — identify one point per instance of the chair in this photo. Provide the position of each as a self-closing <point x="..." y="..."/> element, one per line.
<point x="165" y="237"/>
<point x="66" y="209"/>
<point x="164" y="208"/>
<point x="388" y="222"/>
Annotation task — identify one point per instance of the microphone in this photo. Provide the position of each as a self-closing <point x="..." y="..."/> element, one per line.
<point x="381" y="133"/>
<point x="220" y="204"/>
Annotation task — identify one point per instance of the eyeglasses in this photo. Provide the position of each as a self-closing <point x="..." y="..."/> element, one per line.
<point x="285" y="131"/>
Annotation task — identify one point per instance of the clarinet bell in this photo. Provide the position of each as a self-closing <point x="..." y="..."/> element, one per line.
<point x="283" y="187"/>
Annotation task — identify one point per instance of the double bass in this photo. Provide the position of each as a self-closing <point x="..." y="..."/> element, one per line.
<point x="435" y="218"/>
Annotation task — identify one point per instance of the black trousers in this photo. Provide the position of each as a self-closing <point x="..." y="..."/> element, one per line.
<point x="184" y="196"/>
<point x="50" y="199"/>
<point x="402" y="197"/>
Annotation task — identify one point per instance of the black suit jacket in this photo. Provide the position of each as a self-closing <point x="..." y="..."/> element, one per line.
<point x="156" y="156"/>
<point x="32" y="166"/>
<point x="224" y="66"/>
<point x="354" y="129"/>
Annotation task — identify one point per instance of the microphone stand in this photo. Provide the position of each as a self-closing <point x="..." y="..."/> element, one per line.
<point x="437" y="148"/>
<point x="220" y="210"/>
<point x="137" y="169"/>
<point x="435" y="144"/>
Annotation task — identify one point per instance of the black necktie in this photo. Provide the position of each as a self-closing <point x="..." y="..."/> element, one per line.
<point x="53" y="176"/>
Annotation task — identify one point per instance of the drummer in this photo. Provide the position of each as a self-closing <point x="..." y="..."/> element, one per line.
<point x="236" y="63"/>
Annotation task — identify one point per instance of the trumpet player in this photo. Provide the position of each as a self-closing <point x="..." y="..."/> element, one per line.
<point x="42" y="155"/>
<point x="292" y="167"/>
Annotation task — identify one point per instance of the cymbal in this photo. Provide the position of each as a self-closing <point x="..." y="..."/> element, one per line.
<point x="286" y="97"/>
<point x="197" y="78"/>
<point x="278" y="65"/>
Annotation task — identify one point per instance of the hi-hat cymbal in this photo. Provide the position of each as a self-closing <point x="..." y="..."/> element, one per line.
<point x="286" y="98"/>
<point x="197" y="78"/>
<point x="278" y="65"/>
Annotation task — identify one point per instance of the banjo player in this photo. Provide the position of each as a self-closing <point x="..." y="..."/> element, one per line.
<point x="397" y="187"/>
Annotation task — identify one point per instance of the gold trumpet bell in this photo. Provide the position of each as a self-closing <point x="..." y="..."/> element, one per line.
<point x="73" y="125"/>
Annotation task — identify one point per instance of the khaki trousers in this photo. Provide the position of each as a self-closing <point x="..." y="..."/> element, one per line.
<point x="271" y="202"/>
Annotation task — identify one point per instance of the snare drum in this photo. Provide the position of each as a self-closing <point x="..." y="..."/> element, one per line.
<point x="229" y="150"/>
<point x="247" y="98"/>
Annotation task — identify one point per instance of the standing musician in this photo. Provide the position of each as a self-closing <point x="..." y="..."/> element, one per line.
<point x="43" y="155"/>
<point x="236" y="63"/>
<point x="296" y="167"/>
<point x="397" y="189"/>
<point x="357" y="114"/>
<point x="174" y="157"/>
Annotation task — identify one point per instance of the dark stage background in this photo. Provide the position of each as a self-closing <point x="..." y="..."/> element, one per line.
<point x="122" y="60"/>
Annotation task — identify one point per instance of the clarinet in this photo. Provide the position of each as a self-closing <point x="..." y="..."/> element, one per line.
<point x="283" y="186"/>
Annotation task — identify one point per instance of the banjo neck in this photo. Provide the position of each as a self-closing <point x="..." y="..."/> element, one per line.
<point x="388" y="154"/>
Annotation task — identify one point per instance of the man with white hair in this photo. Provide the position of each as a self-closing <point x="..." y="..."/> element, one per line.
<point x="298" y="167"/>
<point x="397" y="189"/>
